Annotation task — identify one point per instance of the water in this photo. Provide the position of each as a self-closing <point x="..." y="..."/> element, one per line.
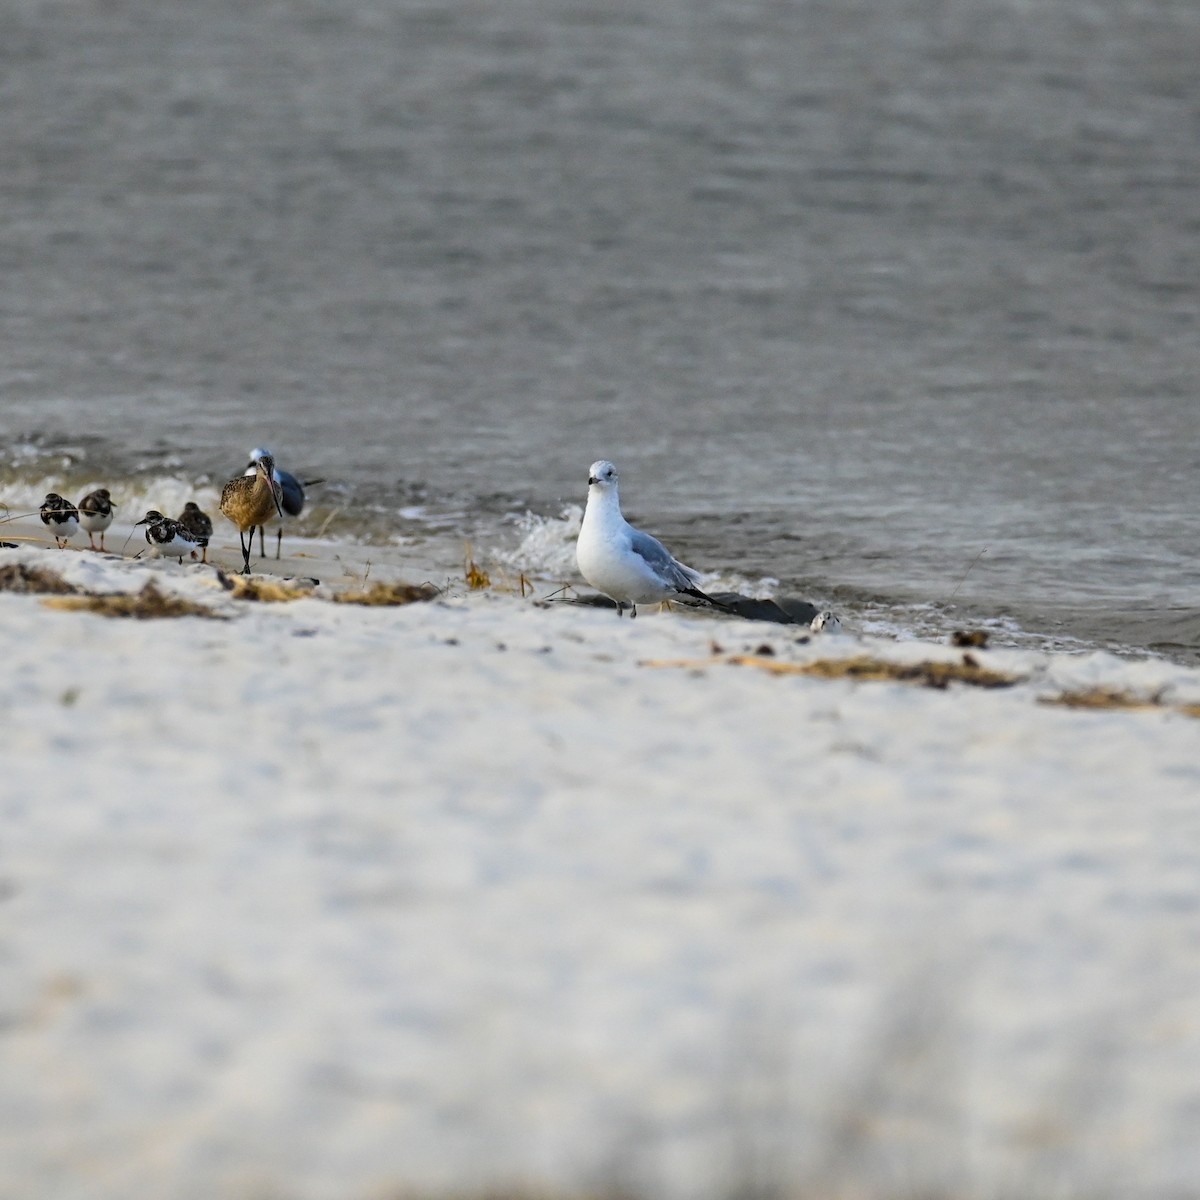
<point x="895" y="304"/>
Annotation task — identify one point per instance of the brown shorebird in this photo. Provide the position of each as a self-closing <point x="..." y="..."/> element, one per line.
<point x="291" y="498"/>
<point x="198" y="523"/>
<point x="96" y="515"/>
<point x="250" y="500"/>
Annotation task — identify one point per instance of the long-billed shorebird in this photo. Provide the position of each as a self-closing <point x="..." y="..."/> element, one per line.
<point x="61" y="517"/>
<point x="627" y="565"/>
<point x="96" y="515"/>
<point x="198" y="523"/>
<point x="250" y="500"/>
<point x="291" y="497"/>
<point x="167" y="538"/>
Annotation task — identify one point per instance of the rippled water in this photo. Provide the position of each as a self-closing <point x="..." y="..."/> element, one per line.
<point x="896" y="304"/>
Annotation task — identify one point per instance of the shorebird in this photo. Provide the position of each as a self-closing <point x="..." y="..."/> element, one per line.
<point x="627" y="565"/>
<point x="249" y="500"/>
<point x="61" y="517"/>
<point x="96" y="515"/>
<point x="168" y="538"/>
<point x="198" y="523"/>
<point x="291" y="497"/>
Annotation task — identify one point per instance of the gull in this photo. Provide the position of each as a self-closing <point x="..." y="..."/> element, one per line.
<point x="627" y="565"/>
<point x="61" y="517"/>
<point x="249" y="501"/>
<point x="96" y="515"/>
<point x="291" y="496"/>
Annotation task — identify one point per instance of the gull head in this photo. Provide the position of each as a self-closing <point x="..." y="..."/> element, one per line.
<point x="602" y="474"/>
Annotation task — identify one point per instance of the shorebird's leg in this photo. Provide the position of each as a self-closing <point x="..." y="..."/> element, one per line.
<point x="246" y="550"/>
<point x="632" y="611"/>
<point x="91" y="540"/>
<point x="102" y="533"/>
<point x="279" y="543"/>
<point x="262" y="550"/>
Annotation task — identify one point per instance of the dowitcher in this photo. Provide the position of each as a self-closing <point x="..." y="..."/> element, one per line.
<point x="96" y="515"/>
<point x="198" y="523"/>
<point x="291" y="497"/>
<point x="627" y="565"/>
<point x="61" y="517"/>
<point x="168" y="538"/>
<point x="250" y="500"/>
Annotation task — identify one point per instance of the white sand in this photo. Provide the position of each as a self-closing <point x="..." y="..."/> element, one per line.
<point x="329" y="902"/>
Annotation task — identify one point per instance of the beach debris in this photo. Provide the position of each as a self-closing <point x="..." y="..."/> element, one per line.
<point x="974" y="639"/>
<point x="96" y="515"/>
<point x="249" y="500"/>
<point x="266" y="589"/>
<point x="390" y="594"/>
<point x="862" y="669"/>
<point x="149" y="603"/>
<point x="61" y="517"/>
<point x="1101" y="697"/>
<point x="20" y="577"/>
<point x="477" y="578"/>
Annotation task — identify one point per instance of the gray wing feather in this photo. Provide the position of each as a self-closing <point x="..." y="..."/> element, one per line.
<point x="658" y="558"/>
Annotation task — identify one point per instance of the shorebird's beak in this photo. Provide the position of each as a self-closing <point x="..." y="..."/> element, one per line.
<point x="141" y="522"/>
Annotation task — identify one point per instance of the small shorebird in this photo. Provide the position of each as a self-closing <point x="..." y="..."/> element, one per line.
<point x="61" y="517"/>
<point x="250" y="500"/>
<point x="198" y="523"/>
<point x="169" y="539"/>
<point x="624" y="563"/>
<point x="96" y="515"/>
<point x="291" y="497"/>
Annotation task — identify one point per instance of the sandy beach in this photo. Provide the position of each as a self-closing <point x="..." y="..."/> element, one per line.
<point x="330" y="902"/>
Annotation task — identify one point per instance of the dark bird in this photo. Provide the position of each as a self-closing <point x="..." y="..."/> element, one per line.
<point x="61" y="517"/>
<point x="168" y="538"/>
<point x="198" y="523"/>
<point x="96" y="515"/>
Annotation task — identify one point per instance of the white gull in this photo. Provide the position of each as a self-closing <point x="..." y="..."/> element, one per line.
<point x="627" y="565"/>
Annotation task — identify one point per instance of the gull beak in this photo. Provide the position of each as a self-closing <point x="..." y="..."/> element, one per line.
<point x="592" y="479"/>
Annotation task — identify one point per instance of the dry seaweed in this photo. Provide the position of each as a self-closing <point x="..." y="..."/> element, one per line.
<point x="20" y="577"/>
<point x="148" y="604"/>
<point x="1099" y="697"/>
<point x="863" y="669"/>
<point x="389" y="594"/>
<point x="265" y="590"/>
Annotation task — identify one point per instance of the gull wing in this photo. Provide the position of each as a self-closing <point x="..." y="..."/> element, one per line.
<point x="658" y="558"/>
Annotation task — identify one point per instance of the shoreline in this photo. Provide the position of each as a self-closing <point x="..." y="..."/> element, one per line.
<point x="327" y="901"/>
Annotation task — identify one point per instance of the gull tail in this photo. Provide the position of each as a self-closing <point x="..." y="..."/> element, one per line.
<point x="691" y="591"/>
